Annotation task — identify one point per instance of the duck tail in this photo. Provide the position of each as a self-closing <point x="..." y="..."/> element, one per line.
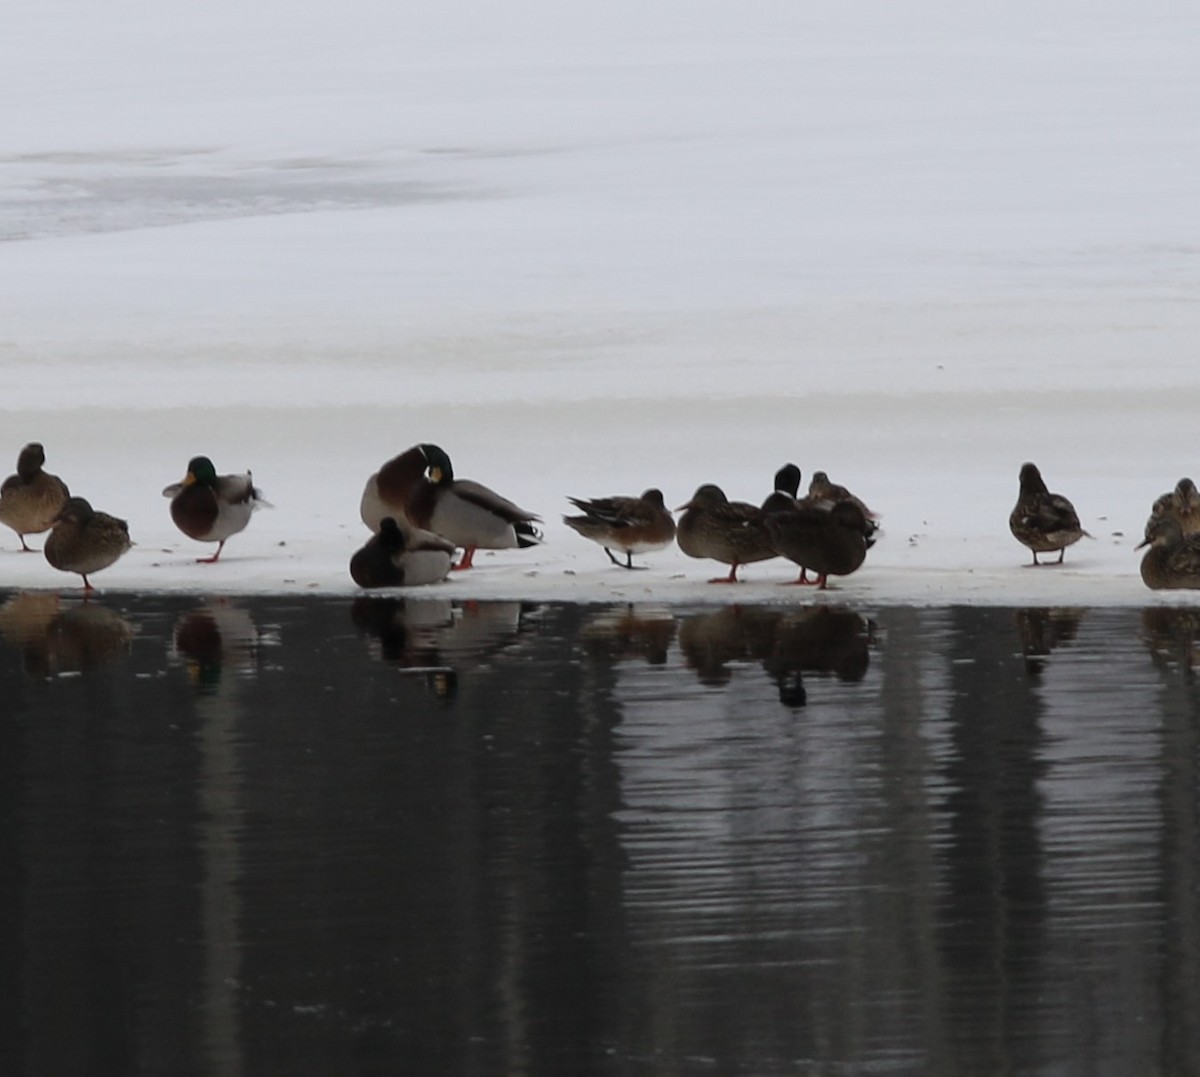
<point x="527" y="534"/>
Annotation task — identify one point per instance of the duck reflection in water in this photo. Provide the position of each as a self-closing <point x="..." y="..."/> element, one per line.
<point x="439" y="639"/>
<point x="712" y="641"/>
<point x="1171" y="636"/>
<point x="822" y="640"/>
<point x="1042" y="629"/>
<point x="630" y="632"/>
<point x="213" y="639"/>
<point x="56" y="638"/>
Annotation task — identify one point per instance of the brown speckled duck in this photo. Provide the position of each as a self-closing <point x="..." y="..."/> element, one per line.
<point x="821" y="489"/>
<point x="84" y="540"/>
<point x="1173" y="560"/>
<point x="211" y="508"/>
<point x="399" y="555"/>
<point x="30" y="499"/>
<point x="419" y="485"/>
<point x="829" y="542"/>
<point x="630" y="524"/>
<point x="1043" y="521"/>
<point x="1183" y="503"/>
<point x="731" y="532"/>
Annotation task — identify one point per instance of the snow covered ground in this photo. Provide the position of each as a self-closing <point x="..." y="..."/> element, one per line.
<point x="602" y="247"/>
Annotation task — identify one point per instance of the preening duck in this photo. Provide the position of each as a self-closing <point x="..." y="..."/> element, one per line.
<point x="420" y="486"/>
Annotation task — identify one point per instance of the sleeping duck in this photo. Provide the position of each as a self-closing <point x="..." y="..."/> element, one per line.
<point x="85" y="541"/>
<point x="399" y="555"/>
<point x="30" y="499"/>
<point x="731" y="532"/>
<point x="209" y="507"/>
<point x="1043" y="521"/>
<point x="821" y="489"/>
<point x="1173" y="560"/>
<point x="1183" y="503"/>
<point x="630" y="524"/>
<point x="419" y="485"/>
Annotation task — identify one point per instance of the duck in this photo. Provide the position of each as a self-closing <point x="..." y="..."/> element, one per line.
<point x="787" y="481"/>
<point x="1043" y="521"/>
<point x="85" y="541"/>
<point x="1173" y="560"/>
<point x="820" y="488"/>
<point x="1183" y="503"/>
<point x="419" y="486"/>
<point x="631" y="524"/>
<point x="399" y="555"/>
<point x="732" y="532"/>
<point x="826" y="541"/>
<point x="30" y="499"/>
<point x="212" y="508"/>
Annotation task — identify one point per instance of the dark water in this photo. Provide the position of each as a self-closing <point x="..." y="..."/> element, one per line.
<point x="295" y="837"/>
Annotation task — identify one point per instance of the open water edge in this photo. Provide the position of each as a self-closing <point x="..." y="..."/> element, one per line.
<point x="381" y="835"/>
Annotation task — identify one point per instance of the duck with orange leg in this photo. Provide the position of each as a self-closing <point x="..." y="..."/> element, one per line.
<point x="30" y="499"/>
<point x="85" y="541"/>
<point x="825" y="541"/>
<point x="209" y="507"/>
<point x="419" y="485"/>
<point x="714" y="528"/>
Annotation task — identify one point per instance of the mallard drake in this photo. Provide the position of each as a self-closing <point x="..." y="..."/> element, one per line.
<point x="822" y="494"/>
<point x="787" y="481"/>
<point x="419" y="485"/>
<point x="30" y="499"/>
<point x="1183" y="503"/>
<point x="401" y="556"/>
<point x="1173" y="560"/>
<point x="209" y="507"/>
<point x="827" y="541"/>
<point x="1043" y="521"/>
<point x="631" y="524"/>
<point x="718" y="529"/>
<point x="85" y="541"/>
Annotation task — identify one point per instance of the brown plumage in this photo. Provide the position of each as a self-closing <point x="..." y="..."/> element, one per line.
<point x="419" y="486"/>
<point x="1043" y="521"/>
<point x="84" y="540"/>
<point x="629" y="524"/>
<point x="829" y="542"/>
<point x="731" y="532"/>
<point x="821" y="489"/>
<point x="1182" y="503"/>
<point x="1173" y="560"/>
<point x="30" y="499"/>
